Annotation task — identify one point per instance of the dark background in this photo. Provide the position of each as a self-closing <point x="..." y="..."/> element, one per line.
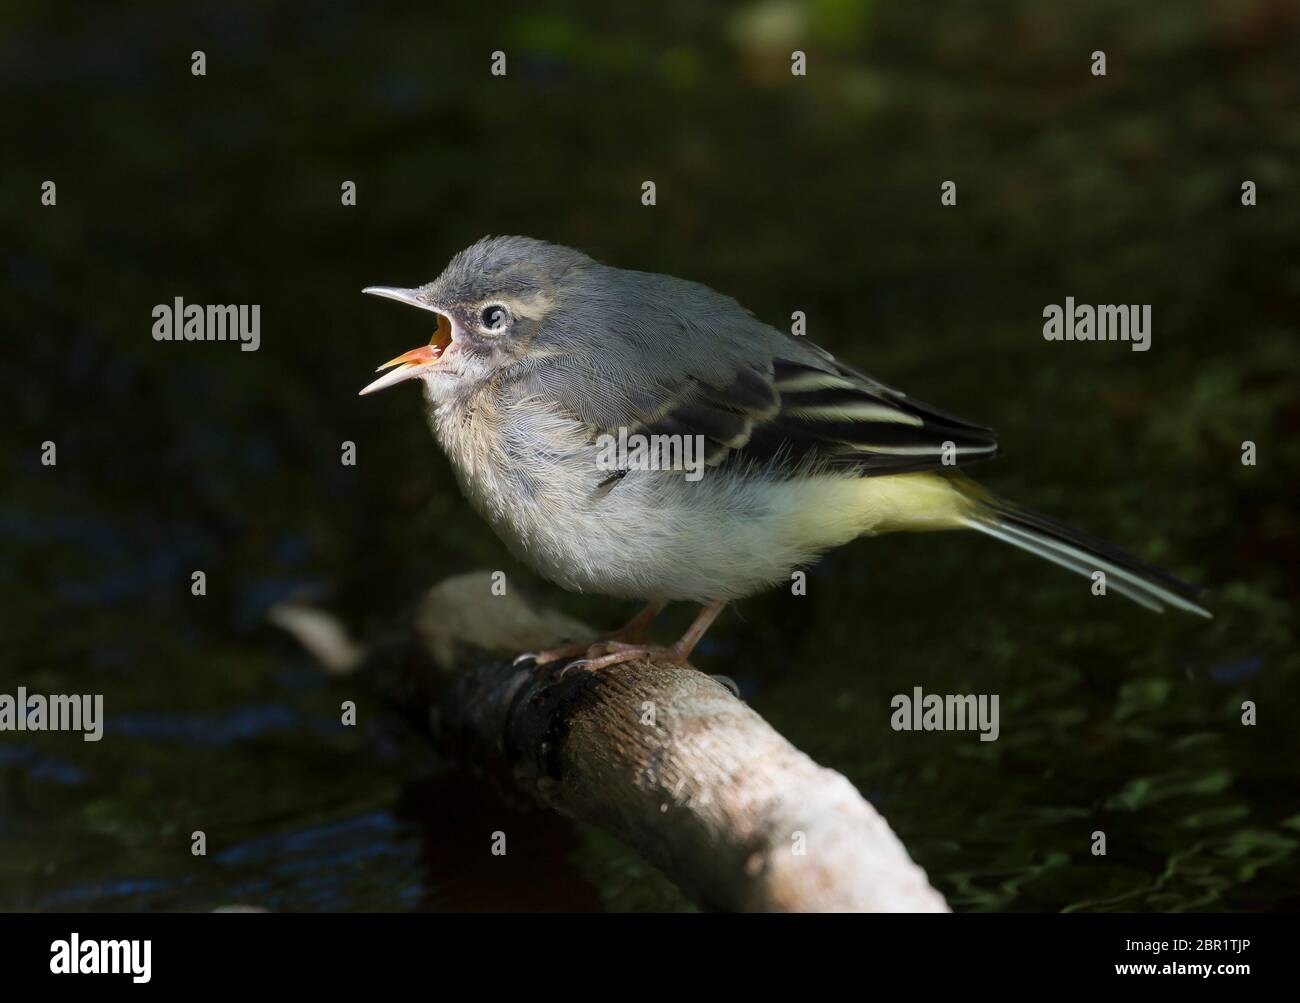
<point x="818" y="193"/>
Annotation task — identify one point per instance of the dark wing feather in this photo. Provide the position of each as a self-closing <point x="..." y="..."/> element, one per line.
<point x="780" y="413"/>
<point x="846" y="419"/>
<point x="796" y="414"/>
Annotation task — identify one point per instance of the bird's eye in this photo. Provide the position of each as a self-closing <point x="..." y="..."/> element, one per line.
<point x="495" y="317"/>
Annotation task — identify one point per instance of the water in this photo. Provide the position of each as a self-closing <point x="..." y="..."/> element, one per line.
<point x="819" y="194"/>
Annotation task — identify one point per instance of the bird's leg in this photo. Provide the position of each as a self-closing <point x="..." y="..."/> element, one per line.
<point x="601" y="655"/>
<point x="633" y="630"/>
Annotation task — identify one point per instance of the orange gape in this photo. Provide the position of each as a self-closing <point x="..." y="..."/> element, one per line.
<point x="441" y="335"/>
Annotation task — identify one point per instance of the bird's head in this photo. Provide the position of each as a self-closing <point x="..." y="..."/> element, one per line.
<point x="492" y="302"/>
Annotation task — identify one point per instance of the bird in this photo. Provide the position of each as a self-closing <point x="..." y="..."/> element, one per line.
<point x="542" y="357"/>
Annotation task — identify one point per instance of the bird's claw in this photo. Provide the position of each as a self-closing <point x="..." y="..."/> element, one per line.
<point x="577" y="663"/>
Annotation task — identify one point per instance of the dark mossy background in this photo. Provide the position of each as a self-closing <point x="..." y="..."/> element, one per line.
<point x="817" y="193"/>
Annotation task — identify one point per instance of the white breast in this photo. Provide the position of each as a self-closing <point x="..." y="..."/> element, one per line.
<point x="532" y="475"/>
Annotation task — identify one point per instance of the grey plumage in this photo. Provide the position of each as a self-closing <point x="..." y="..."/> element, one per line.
<point x="803" y="452"/>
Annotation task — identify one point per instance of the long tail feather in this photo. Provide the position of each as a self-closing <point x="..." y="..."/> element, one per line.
<point x="1083" y="554"/>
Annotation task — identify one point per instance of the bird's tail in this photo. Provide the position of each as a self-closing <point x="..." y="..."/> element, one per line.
<point x="1077" y="551"/>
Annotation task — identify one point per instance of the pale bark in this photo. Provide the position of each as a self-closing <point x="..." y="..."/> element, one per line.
<point x="665" y="758"/>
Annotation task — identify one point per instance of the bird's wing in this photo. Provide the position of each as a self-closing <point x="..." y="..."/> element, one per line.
<point x="788" y="408"/>
<point x="835" y="414"/>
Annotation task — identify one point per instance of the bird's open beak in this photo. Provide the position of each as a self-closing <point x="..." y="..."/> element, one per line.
<point x="419" y="360"/>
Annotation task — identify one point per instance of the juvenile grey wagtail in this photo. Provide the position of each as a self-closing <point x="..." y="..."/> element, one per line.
<point x="542" y="357"/>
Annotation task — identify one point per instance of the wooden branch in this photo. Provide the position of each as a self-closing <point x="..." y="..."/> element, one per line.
<point x="665" y="758"/>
